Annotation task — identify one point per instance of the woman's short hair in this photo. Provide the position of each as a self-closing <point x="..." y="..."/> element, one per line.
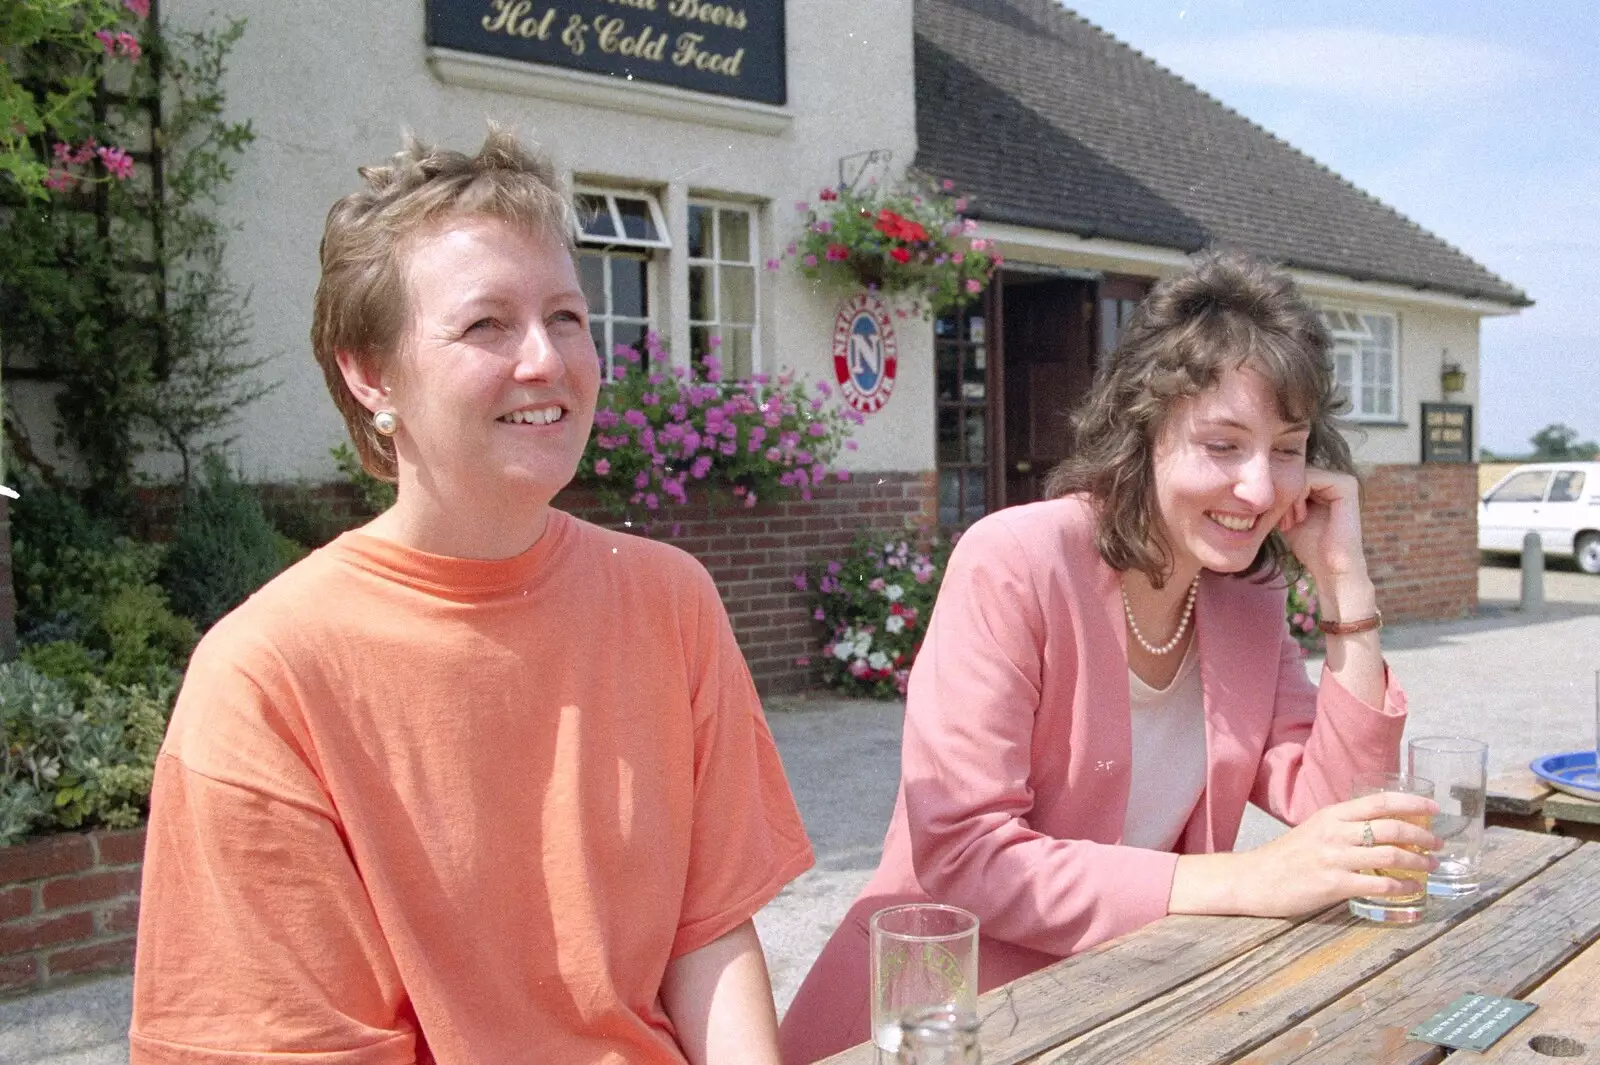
<point x="362" y="305"/>
<point x="1227" y="310"/>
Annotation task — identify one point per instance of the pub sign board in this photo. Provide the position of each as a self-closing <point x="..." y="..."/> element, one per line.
<point x="727" y="47"/>
<point x="1446" y="432"/>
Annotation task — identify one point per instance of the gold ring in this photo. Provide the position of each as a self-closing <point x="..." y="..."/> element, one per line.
<point x="1367" y="839"/>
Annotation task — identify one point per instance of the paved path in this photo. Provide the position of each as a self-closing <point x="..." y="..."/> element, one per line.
<point x="1525" y="684"/>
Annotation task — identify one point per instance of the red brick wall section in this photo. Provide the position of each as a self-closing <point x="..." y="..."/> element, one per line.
<point x="1420" y="527"/>
<point x="69" y="906"/>
<point x="754" y="554"/>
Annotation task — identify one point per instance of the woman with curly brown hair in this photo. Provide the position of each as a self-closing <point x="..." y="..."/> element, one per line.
<point x="1108" y="676"/>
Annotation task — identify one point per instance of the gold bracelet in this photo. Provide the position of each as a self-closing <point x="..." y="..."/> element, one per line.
<point x="1349" y="628"/>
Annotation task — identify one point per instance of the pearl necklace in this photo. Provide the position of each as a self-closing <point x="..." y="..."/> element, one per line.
<point x="1183" y="623"/>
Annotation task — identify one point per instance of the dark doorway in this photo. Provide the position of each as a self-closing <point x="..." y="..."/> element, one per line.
<point x="1048" y="355"/>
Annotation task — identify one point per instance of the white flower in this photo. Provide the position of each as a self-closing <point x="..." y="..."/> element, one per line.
<point x="844" y="646"/>
<point x="878" y="660"/>
<point x="895" y="623"/>
<point x="893" y="593"/>
<point x="863" y="643"/>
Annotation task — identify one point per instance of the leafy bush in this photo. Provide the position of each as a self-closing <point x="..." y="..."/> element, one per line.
<point x="656" y="431"/>
<point x="301" y="515"/>
<point x="223" y="547"/>
<point x="67" y="762"/>
<point x="875" y="604"/>
<point x="377" y="496"/>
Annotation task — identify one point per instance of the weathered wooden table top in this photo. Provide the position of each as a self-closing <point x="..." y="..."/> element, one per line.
<point x="1329" y="989"/>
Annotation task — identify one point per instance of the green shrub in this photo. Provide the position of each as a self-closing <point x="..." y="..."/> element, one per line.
<point x="67" y="762"/>
<point x="302" y="516"/>
<point x="223" y="547"/>
<point x="377" y="496"/>
<point x="67" y="661"/>
<point x="147" y="644"/>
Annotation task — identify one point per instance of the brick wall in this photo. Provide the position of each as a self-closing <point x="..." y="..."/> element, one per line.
<point x="1420" y="527"/>
<point x="754" y="554"/>
<point x="69" y="905"/>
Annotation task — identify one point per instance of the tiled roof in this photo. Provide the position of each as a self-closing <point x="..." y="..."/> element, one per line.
<point x="1052" y="123"/>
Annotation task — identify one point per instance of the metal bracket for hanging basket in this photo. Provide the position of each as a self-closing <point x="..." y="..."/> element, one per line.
<point x="868" y="164"/>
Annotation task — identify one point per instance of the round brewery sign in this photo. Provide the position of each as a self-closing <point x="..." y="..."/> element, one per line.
<point x="864" y="352"/>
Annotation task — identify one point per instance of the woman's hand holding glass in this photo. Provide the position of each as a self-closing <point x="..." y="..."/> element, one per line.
<point x="1323" y="861"/>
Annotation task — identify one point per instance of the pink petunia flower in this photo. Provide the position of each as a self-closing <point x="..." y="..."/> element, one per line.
<point x="140" y="8"/>
<point x="602" y="467"/>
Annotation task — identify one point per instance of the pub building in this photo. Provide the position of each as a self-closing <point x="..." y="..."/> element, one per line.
<point x="692" y="128"/>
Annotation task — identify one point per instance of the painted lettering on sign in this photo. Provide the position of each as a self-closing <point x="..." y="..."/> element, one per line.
<point x="865" y="352"/>
<point x="697" y="44"/>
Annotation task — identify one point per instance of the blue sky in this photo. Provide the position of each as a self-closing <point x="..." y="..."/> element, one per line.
<point x="1476" y="120"/>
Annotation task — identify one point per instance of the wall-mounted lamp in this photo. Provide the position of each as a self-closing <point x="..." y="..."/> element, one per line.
<point x="1452" y="378"/>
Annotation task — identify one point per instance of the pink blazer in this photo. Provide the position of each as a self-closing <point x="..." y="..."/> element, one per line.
<point x="1016" y="755"/>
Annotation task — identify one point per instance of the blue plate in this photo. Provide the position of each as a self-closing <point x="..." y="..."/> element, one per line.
<point x="1574" y="773"/>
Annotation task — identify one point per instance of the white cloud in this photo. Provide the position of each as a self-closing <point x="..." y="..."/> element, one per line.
<point x="1370" y="66"/>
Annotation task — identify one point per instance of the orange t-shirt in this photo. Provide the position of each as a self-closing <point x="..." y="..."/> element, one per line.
<point x="414" y="808"/>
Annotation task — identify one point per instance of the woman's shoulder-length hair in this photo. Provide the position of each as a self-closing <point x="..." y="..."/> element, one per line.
<point x="1227" y="310"/>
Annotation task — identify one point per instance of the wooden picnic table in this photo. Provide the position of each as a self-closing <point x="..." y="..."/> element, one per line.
<point x="1518" y="799"/>
<point x="1328" y="989"/>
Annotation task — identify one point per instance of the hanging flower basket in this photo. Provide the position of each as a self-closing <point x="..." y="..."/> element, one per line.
<point x="908" y="241"/>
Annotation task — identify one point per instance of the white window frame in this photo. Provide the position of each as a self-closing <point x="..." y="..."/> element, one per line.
<point x="610" y="248"/>
<point x="715" y="261"/>
<point x="609" y="198"/>
<point x="1355" y="338"/>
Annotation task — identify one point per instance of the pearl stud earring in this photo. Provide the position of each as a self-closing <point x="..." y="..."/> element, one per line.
<point x="385" y="422"/>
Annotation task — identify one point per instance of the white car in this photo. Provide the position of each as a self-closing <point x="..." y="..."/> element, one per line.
<point x="1558" y="500"/>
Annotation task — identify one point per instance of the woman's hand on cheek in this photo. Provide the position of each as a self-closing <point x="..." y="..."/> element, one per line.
<point x="1323" y="527"/>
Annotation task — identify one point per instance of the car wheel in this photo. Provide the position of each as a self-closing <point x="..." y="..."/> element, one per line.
<point x="1587" y="551"/>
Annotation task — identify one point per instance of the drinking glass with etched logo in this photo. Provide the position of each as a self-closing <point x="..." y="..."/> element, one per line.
<point x="1407" y="907"/>
<point x="1459" y="769"/>
<point x="923" y="954"/>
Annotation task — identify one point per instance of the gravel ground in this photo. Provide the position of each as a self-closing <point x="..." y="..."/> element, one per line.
<point x="1524" y="683"/>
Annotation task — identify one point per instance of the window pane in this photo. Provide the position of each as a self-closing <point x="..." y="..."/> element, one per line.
<point x="629" y="333"/>
<point x="700" y="306"/>
<point x="637" y="221"/>
<point x="974" y="383"/>
<point x="592" y="279"/>
<point x="947" y="357"/>
<point x="976" y="434"/>
<point x="597" y="330"/>
<point x="1523" y="488"/>
<point x="699" y="341"/>
<point x="595" y="217"/>
<point x="975" y="503"/>
<point x="734" y="238"/>
<point x="699" y="232"/>
<point x="630" y="290"/>
<point x="949" y="436"/>
<point x="738" y="294"/>
<point x="1567" y="487"/>
<point x="949" y="497"/>
<point x="738" y="353"/>
<point x="1344" y="368"/>
<point x="1108" y="325"/>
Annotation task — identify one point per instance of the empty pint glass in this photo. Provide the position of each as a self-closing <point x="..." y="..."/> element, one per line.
<point x="923" y="954"/>
<point x="1459" y="770"/>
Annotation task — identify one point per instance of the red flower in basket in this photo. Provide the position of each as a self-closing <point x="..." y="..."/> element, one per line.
<point x="900" y="255"/>
<point x="828" y="194"/>
<point x="898" y="227"/>
<point x="838" y="253"/>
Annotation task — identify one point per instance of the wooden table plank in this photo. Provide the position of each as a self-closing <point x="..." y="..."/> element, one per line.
<point x="1567" y="1022"/>
<point x="1518" y="793"/>
<point x="1241" y="1005"/>
<point x="1564" y="807"/>
<point x="1505" y="950"/>
<point x="1078" y="993"/>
